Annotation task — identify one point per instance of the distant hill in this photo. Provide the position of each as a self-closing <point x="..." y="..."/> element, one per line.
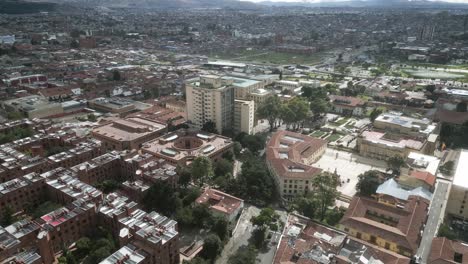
<point x="163" y="3"/>
<point x="24" y="7"/>
<point x="370" y="3"/>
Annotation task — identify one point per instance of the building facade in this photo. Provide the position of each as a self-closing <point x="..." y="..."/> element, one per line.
<point x="244" y="116"/>
<point x="211" y="99"/>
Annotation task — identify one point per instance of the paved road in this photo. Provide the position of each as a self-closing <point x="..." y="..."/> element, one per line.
<point x="435" y="218"/>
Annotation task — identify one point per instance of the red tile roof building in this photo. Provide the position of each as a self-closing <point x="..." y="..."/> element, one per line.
<point x="446" y="251"/>
<point x="222" y="203"/>
<point x="289" y="157"/>
<point x="394" y="227"/>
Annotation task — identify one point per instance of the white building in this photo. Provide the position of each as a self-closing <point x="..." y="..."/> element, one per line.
<point x="211" y="98"/>
<point x="457" y="203"/>
<point x="244" y="116"/>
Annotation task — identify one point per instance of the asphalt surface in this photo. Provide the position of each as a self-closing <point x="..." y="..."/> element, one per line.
<point x="435" y="218"/>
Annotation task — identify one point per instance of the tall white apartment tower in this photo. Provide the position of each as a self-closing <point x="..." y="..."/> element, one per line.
<point x="210" y="98"/>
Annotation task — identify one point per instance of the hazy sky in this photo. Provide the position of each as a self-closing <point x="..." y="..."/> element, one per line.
<point x="316" y="1"/>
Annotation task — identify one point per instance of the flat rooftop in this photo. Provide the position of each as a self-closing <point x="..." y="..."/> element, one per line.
<point x="125" y="255"/>
<point x="129" y="129"/>
<point x="377" y="137"/>
<point x="181" y="144"/>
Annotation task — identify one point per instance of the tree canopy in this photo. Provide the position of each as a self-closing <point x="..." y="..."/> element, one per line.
<point x="160" y="197"/>
<point x="270" y="110"/>
<point x="325" y="191"/>
<point x="368" y="183"/>
<point x="244" y="255"/>
<point x="202" y="169"/>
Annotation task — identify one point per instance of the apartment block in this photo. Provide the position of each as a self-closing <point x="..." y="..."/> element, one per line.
<point x="244" y="116"/>
<point x="458" y="197"/>
<point x="105" y="167"/>
<point x="211" y="99"/>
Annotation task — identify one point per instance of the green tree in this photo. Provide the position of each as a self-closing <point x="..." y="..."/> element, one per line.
<point x="223" y="167"/>
<point x="375" y="113"/>
<point x="287" y="115"/>
<point x="270" y="110"/>
<point x="7" y="216"/>
<point x="184" y="216"/>
<point x="300" y="108"/>
<point x="161" y="198"/>
<point x="259" y="236"/>
<point x="92" y="118"/>
<point x="83" y="246"/>
<point x="108" y="186"/>
<point x="212" y="246"/>
<point x="333" y="216"/>
<point x="116" y="75"/>
<point x="319" y="107"/>
<point x="254" y="143"/>
<point x="395" y="163"/>
<point x="201" y="215"/>
<point x="202" y="169"/>
<point x="244" y="255"/>
<point x="228" y="155"/>
<point x="324" y="185"/>
<point x="447" y="232"/>
<point x="306" y="205"/>
<point x="265" y="218"/>
<point x="185" y="175"/>
<point x="368" y="183"/>
<point x="220" y="227"/>
<point x="209" y="127"/>
<point x="254" y="183"/>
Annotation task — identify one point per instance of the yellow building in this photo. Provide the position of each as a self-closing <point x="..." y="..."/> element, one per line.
<point x="392" y="224"/>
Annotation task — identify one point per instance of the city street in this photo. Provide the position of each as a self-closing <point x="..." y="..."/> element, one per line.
<point x="434" y="219"/>
<point x="242" y="235"/>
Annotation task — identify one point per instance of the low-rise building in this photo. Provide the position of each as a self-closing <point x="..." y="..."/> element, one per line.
<point x="182" y="146"/>
<point x="128" y="133"/>
<point x="305" y="241"/>
<point x="396" y="227"/>
<point x="346" y="105"/>
<point x="221" y="203"/>
<point x="444" y="250"/>
<point x="33" y="106"/>
<point x="396" y="135"/>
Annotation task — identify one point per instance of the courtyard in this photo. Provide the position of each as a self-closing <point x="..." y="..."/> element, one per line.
<point x="348" y="166"/>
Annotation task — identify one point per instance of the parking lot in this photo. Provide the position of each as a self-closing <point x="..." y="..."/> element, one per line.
<point x="348" y="166"/>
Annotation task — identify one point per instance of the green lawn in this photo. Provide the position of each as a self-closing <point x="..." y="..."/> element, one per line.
<point x="334" y="137"/>
<point x="341" y="121"/>
<point x="317" y="133"/>
<point x="350" y="125"/>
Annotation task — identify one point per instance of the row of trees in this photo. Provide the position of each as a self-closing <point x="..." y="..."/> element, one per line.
<point x="293" y="112"/>
<point x="15" y="134"/>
